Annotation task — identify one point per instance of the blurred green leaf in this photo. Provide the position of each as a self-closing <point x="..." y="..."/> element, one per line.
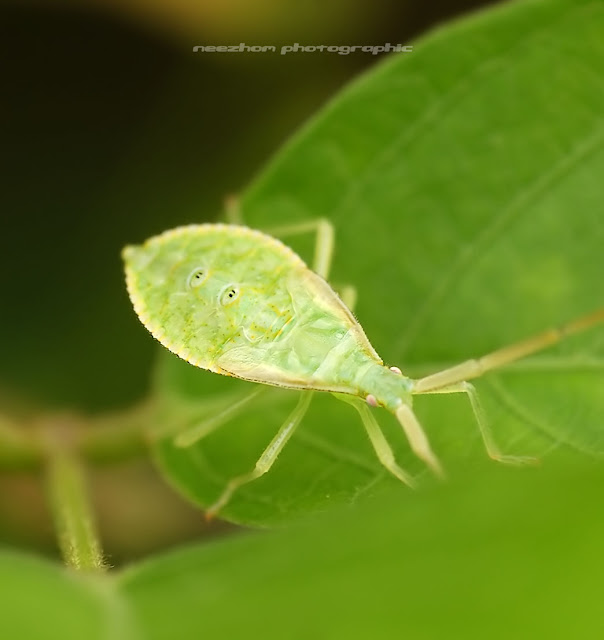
<point x="464" y="184"/>
<point x="518" y="555"/>
<point x="39" y="601"/>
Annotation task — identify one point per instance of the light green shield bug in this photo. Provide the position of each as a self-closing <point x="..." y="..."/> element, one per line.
<point x="239" y="302"/>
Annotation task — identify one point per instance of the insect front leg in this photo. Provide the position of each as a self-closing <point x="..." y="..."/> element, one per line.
<point x="232" y="210"/>
<point x="483" y="425"/>
<point x="378" y="440"/>
<point x="455" y="379"/>
<point x="268" y="457"/>
<point x="477" y="367"/>
<point x="418" y="440"/>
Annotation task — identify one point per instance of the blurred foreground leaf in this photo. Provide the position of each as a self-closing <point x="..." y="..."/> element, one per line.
<point x="40" y="601"/>
<point x="516" y="555"/>
<point x="464" y="182"/>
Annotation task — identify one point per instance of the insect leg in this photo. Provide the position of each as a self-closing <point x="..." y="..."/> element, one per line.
<point x="201" y="430"/>
<point x="483" y="425"/>
<point x="268" y="457"/>
<point x="418" y="439"/>
<point x="377" y="438"/>
<point x="380" y="444"/>
<point x="323" y="228"/>
<point x="232" y="210"/>
<point x="348" y="295"/>
<point x="477" y="367"/>
<point x="325" y="239"/>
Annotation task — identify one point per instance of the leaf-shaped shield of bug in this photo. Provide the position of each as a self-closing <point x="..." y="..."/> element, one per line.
<point x="239" y="302"/>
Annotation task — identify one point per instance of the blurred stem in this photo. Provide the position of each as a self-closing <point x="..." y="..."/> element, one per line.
<point x="118" y="436"/>
<point x="61" y="445"/>
<point x="102" y="440"/>
<point x="19" y="448"/>
<point x="73" y="516"/>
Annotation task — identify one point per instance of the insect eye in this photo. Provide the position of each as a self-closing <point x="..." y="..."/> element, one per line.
<point x="197" y="277"/>
<point x="229" y="295"/>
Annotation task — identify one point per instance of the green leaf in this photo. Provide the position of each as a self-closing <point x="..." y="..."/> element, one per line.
<point x="40" y="601"/>
<point x="463" y="181"/>
<point x="518" y="555"/>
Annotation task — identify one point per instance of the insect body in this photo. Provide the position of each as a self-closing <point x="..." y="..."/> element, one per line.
<point x="239" y="302"/>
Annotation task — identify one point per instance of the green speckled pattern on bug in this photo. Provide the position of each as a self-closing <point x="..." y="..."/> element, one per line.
<point x="239" y="302"/>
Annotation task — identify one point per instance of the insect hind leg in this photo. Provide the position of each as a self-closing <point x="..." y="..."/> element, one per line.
<point x="193" y="434"/>
<point x="490" y="444"/>
<point x="268" y="457"/>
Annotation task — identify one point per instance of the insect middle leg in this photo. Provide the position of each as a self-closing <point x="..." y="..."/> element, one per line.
<point x="268" y="457"/>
